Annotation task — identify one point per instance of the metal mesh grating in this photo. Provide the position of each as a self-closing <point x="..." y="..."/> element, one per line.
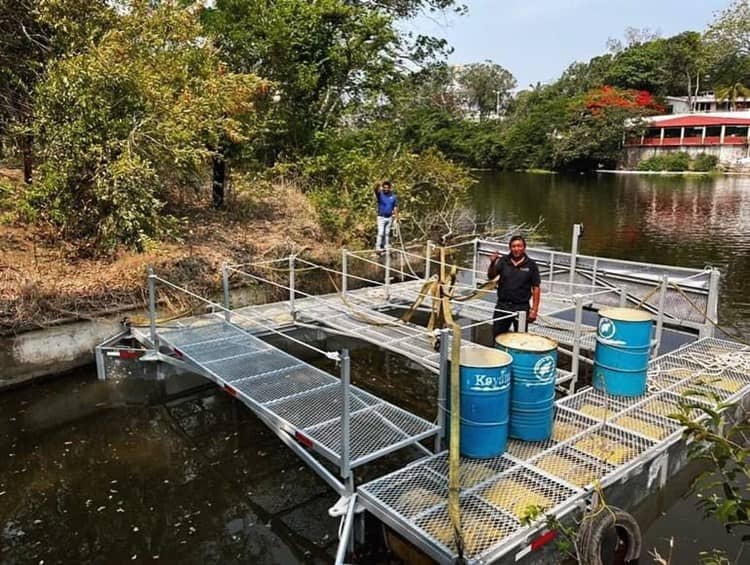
<point x="669" y="369"/>
<point x="205" y="330"/>
<point x="222" y="349"/>
<point x="372" y="430"/>
<point x="567" y="424"/>
<point x="517" y="491"/>
<point x="665" y="404"/>
<point x="411" y="492"/>
<point x="611" y="445"/>
<point x="571" y="466"/>
<point x="471" y="471"/>
<point x="562" y="332"/>
<point x="645" y="423"/>
<point x="317" y="406"/>
<point x="276" y="386"/>
<point x="251" y="365"/>
<point x="597" y="404"/>
<point x="482" y="526"/>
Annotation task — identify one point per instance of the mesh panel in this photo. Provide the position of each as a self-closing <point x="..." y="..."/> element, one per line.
<point x="520" y="490"/>
<point x="482" y="527"/>
<point x="277" y="386"/>
<point x="597" y="404"/>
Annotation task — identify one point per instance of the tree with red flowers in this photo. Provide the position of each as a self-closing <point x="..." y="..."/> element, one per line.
<point x="598" y="122"/>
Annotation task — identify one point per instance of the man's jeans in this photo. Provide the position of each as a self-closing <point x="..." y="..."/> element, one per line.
<point x="384" y="232"/>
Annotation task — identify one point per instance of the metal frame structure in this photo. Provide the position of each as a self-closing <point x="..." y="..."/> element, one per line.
<point x="319" y="415"/>
<point x="596" y="440"/>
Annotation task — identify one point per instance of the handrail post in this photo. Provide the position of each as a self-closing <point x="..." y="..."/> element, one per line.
<point x="577" y="231"/>
<point x="292" y="285"/>
<point x="660" y="313"/>
<point x="575" y="360"/>
<point x="152" y="308"/>
<point x="387" y="279"/>
<point x="345" y="415"/>
<point x="475" y="263"/>
<point x="623" y="297"/>
<point x="344" y="269"/>
<point x="442" y="388"/>
<point x="427" y="259"/>
<point x="712" y="304"/>
<point x="225" y="285"/>
<point x="522" y="321"/>
<point x="551" y="266"/>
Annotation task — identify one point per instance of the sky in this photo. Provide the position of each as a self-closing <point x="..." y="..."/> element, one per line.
<point x="537" y="39"/>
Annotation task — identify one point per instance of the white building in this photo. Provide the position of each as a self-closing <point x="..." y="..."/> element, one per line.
<point x="705" y="102"/>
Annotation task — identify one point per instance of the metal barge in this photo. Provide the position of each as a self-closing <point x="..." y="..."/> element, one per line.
<point x="624" y="449"/>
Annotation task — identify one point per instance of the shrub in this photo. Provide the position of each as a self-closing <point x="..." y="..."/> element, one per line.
<point x="669" y="162"/>
<point x="705" y="162"/>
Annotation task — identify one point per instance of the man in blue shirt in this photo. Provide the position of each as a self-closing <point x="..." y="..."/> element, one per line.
<point x="387" y="214"/>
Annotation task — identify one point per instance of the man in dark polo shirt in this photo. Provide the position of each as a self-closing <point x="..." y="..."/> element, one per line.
<point x="519" y="282"/>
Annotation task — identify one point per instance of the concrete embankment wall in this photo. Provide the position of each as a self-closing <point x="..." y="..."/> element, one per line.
<point x="52" y="350"/>
<point x="58" y="349"/>
<point x="728" y="155"/>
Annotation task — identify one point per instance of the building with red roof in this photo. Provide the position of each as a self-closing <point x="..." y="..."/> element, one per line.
<point x="724" y="134"/>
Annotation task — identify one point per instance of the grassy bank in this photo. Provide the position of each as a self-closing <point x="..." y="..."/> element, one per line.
<point x="45" y="280"/>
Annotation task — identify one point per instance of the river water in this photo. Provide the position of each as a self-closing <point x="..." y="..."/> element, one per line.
<point x="96" y="472"/>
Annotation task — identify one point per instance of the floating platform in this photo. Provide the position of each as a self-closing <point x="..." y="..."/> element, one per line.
<point x="625" y="448"/>
<point x="597" y="440"/>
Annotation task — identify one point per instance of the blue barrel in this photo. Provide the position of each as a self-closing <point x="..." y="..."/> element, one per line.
<point x="485" y="394"/>
<point x="623" y="343"/>
<point x="532" y="395"/>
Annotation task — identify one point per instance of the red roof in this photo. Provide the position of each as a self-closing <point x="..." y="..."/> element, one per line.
<point x="699" y="120"/>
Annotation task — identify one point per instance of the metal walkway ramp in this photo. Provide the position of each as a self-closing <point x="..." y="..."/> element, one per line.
<point x="293" y="396"/>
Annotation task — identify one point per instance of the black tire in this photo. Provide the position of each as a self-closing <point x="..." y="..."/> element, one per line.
<point x="594" y="529"/>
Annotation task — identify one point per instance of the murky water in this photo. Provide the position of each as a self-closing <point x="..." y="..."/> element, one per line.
<point x="683" y="221"/>
<point x="100" y="473"/>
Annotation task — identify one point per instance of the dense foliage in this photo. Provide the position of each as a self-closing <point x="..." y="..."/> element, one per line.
<point x="123" y="107"/>
<point x="125" y="121"/>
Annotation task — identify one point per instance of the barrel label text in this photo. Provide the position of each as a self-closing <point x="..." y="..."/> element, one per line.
<point x="489" y="383"/>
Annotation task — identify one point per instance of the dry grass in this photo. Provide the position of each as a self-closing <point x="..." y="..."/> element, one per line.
<point x="44" y="281"/>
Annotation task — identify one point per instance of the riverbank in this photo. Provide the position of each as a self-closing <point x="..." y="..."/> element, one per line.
<point x="57" y="300"/>
<point x="674" y="173"/>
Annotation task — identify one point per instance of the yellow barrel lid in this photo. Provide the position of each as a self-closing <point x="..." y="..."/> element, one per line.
<point x="526" y="342"/>
<point x="481" y="357"/>
<point x="625" y="314"/>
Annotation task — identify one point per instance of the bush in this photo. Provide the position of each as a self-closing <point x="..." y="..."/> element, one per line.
<point x="705" y="162"/>
<point x="668" y="162"/>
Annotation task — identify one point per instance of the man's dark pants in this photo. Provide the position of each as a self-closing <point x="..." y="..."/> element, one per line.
<point x="501" y="309"/>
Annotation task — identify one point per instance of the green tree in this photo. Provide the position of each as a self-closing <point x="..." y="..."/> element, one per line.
<point x="598" y="123"/>
<point x="729" y="33"/>
<point x="486" y="86"/>
<point x="641" y="67"/>
<point x="528" y="133"/>
<point x="731" y="93"/>
<point x="132" y="119"/>
<point x="33" y="33"/>
<point x="686" y="60"/>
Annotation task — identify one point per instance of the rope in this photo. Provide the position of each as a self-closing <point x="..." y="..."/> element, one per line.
<point x="705" y="317"/>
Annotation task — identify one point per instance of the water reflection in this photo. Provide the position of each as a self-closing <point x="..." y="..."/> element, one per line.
<point x="685" y="221"/>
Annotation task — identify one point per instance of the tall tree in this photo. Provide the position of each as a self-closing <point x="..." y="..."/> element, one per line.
<point x="686" y="61"/>
<point x="33" y="33"/>
<point x="487" y="86"/>
<point x="131" y="120"/>
<point x="729" y="33"/>
<point x="24" y="49"/>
